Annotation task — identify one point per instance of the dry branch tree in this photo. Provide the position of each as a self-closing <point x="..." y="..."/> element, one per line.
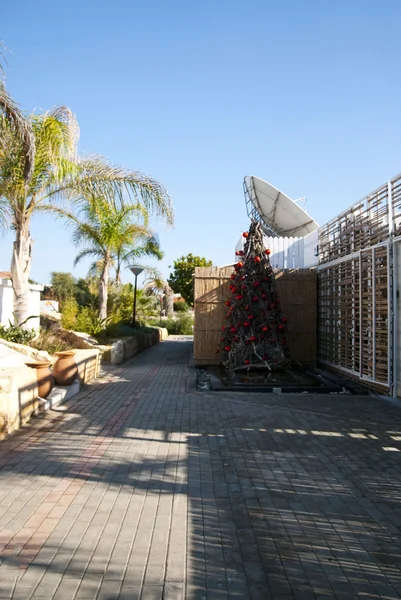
<point x="254" y="335"/>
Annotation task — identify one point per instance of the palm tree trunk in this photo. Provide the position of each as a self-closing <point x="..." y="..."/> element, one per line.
<point x="20" y="270"/>
<point x="103" y="288"/>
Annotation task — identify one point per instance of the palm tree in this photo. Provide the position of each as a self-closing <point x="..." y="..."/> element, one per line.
<point x="58" y="174"/>
<point x="144" y="244"/>
<point x="17" y="121"/>
<point x="103" y="227"/>
<point x="160" y="289"/>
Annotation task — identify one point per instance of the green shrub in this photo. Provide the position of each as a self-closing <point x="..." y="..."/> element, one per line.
<point x="17" y="334"/>
<point x="69" y="313"/>
<point x="181" y="307"/>
<point x="88" y="321"/>
<point x="182" y="325"/>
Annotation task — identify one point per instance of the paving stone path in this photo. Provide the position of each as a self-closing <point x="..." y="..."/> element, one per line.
<point x="138" y="488"/>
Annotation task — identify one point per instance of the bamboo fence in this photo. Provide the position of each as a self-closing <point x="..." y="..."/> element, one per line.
<point x="298" y="294"/>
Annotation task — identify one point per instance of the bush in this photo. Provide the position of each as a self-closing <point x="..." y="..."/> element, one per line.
<point x="69" y="313"/>
<point x="182" y="325"/>
<point x="181" y="307"/>
<point x="51" y="342"/>
<point x="16" y="334"/>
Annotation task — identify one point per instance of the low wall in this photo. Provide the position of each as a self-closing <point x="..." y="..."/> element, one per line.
<point x="125" y="348"/>
<point x="19" y="390"/>
<point x="18" y="398"/>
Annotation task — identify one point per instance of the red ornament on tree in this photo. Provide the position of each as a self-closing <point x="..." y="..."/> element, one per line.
<point x="253" y="338"/>
<point x="265" y="328"/>
<point x="233" y="330"/>
<point x="267" y="251"/>
<point x="228" y="303"/>
<point x="240" y="265"/>
<point x="239" y="297"/>
<point x="250" y="317"/>
<point x="245" y="234"/>
<point x="255" y="299"/>
<point x="246" y="361"/>
<point x="281" y="327"/>
<point x="246" y="324"/>
<point x="232" y="277"/>
<point x="256" y="259"/>
<point x="284" y="320"/>
<point x="227" y="348"/>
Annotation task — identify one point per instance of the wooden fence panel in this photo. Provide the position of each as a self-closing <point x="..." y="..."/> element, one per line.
<point x="298" y="294"/>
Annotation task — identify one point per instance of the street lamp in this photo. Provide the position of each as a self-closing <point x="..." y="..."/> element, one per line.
<point x="136" y="271"/>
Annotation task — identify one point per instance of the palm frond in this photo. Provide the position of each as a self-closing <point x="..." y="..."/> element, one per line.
<point x="96" y="177"/>
<point x="85" y="253"/>
<point x="22" y="127"/>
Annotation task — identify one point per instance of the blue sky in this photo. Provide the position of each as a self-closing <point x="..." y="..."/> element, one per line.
<point x="305" y="94"/>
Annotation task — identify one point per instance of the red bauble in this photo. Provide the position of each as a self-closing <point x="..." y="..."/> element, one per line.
<point x="280" y="327"/>
<point x="240" y="265"/>
<point x="284" y="320"/>
<point x="253" y="338"/>
<point x="247" y="307"/>
<point x="223" y="328"/>
<point x="267" y="251"/>
<point x="228" y="303"/>
<point x="233" y="330"/>
<point x="233" y="276"/>
<point x="264" y="296"/>
<point x="245" y="234"/>
<point x="256" y="259"/>
<point x="255" y="299"/>
<point x="239" y="297"/>
<point x="265" y="328"/>
<point x="237" y="253"/>
<point x="256" y="284"/>
<point x="242" y="278"/>
<point x="247" y="361"/>
<point x="227" y="348"/>
<point x="266" y="278"/>
<point x="250" y="317"/>
<point x="235" y="339"/>
<point x="246" y="324"/>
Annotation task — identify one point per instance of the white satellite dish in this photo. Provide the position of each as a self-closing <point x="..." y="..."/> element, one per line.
<point x="276" y="212"/>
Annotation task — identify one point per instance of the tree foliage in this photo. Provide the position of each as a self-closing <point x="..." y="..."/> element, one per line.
<point x="64" y="285"/>
<point x="181" y="279"/>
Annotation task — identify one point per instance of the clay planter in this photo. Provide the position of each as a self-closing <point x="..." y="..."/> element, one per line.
<point x="44" y="377"/>
<point x="65" y="369"/>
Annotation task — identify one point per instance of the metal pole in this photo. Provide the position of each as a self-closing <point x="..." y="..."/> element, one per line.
<point x="134" y="314"/>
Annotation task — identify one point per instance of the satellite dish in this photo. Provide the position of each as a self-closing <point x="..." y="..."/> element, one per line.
<point x="276" y="212"/>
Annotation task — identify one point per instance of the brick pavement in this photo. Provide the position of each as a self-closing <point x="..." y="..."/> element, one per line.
<point x="139" y="489"/>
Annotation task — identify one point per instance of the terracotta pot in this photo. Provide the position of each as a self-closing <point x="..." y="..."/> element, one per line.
<point x="65" y="368"/>
<point x="44" y="377"/>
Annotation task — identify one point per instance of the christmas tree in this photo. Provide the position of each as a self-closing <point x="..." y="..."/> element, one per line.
<point x="254" y="336"/>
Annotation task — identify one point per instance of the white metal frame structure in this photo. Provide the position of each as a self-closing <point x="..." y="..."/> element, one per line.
<point x="358" y="329"/>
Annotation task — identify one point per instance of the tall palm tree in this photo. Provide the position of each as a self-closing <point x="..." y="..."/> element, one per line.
<point x="102" y="227"/>
<point x="58" y="174"/>
<point x="17" y="121"/>
<point x="144" y="244"/>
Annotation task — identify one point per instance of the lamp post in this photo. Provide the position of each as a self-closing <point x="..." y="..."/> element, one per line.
<point x="136" y="271"/>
